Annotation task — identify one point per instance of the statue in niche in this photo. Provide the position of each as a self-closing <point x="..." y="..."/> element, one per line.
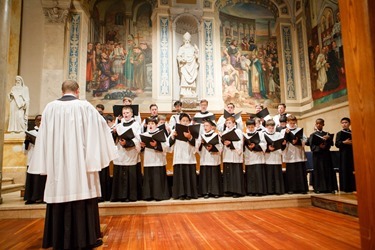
<point x="187" y="58"/>
<point x="19" y="106"/>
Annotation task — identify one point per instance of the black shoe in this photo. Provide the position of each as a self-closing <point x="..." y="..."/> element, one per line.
<point x="206" y="196"/>
<point x="188" y="198"/>
<point x="216" y="196"/>
<point x="290" y="192"/>
<point x="317" y="192"/>
<point x="98" y="243"/>
<point x="28" y="202"/>
<point x="236" y="196"/>
<point x="182" y="198"/>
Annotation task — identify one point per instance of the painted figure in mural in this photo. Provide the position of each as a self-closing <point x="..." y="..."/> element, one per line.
<point x="19" y="106"/>
<point x="118" y="58"/>
<point x="334" y="68"/>
<point x="147" y="51"/>
<point x="98" y="59"/>
<point x="245" y="66"/>
<point x="245" y="43"/>
<point x="107" y="79"/>
<point x="139" y="68"/>
<point x="128" y="66"/>
<point x="90" y="66"/>
<point x="256" y="86"/>
<point x="234" y="53"/>
<point x="187" y="58"/>
<point x="321" y="66"/>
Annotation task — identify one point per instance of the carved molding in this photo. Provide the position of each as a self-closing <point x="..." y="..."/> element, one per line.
<point x="55" y="15"/>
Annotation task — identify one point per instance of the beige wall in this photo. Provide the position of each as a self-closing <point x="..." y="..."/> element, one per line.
<point x="31" y="57"/>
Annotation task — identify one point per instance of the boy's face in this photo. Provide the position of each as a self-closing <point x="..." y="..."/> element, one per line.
<point x="280" y="109"/>
<point x="127" y="102"/>
<point x="203" y="106"/>
<point x="151" y="126"/>
<point x="283" y="124"/>
<point x="292" y="124"/>
<point x="184" y="121"/>
<point x="161" y="121"/>
<point x="207" y="127"/>
<point x="154" y="110"/>
<point x="319" y="125"/>
<point x="258" y="108"/>
<point x="270" y="128"/>
<point x="345" y="124"/>
<point x="230" y="109"/>
<point x="127" y="114"/>
<point x="229" y="124"/>
<point x="178" y="108"/>
<point x="251" y="127"/>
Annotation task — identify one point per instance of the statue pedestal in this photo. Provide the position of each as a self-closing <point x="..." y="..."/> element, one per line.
<point x="14" y="159"/>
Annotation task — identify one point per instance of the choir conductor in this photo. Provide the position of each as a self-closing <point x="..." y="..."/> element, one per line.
<point x="74" y="143"/>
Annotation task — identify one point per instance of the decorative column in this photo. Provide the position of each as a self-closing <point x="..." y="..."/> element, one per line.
<point x="5" y="7"/>
<point x="161" y="60"/>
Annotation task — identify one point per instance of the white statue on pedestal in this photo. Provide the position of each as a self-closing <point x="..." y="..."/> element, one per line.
<point x="19" y="106"/>
<point x="187" y="58"/>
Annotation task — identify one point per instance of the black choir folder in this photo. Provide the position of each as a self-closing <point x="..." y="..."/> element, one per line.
<point x="230" y="136"/>
<point x="294" y="134"/>
<point x="236" y="116"/>
<point x="277" y="144"/>
<point x="204" y="118"/>
<point x="117" y="109"/>
<point x="318" y="139"/>
<point x="213" y="142"/>
<point x="344" y="135"/>
<point x="253" y="139"/>
<point x="261" y="114"/>
<point x="127" y="135"/>
<point x="180" y="129"/>
<point x="30" y="137"/>
<point x="159" y="137"/>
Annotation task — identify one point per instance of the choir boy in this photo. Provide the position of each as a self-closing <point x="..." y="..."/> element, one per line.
<point x="275" y="145"/>
<point x="125" y="186"/>
<point x="210" y="159"/>
<point x="153" y="114"/>
<point x="324" y="177"/>
<point x="282" y="123"/>
<point x="230" y="110"/>
<point x="155" y="185"/>
<point x="295" y="158"/>
<point x="129" y="101"/>
<point x="35" y="183"/>
<point x="254" y="148"/>
<point x="175" y="117"/>
<point x="184" y="163"/>
<point x="233" y="160"/>
<point x="344" y="143"/>
<point x="281" y="111"/>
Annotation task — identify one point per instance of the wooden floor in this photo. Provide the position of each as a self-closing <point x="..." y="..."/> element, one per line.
<point x="280" y="228"/>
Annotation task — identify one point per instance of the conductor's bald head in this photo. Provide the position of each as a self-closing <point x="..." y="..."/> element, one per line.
<point x="70" y="87"/>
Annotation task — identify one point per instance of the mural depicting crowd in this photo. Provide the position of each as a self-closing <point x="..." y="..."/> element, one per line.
<point x="250" y="69"/>
<point x="114" y="70"/>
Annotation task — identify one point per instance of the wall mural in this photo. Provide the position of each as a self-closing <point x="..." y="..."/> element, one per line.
<point x="325" y="49"/>
<point x="249" y="56"/>
<point x="122" y="64"/>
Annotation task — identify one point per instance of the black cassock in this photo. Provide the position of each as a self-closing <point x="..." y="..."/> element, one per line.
<point x="347" y="179"/>
<point x="324" y="177"/>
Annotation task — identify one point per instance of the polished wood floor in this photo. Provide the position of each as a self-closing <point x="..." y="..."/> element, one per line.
<point x="281" y="228"/>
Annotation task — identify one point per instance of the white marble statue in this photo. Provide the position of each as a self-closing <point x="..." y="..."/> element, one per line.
<point x="19" y="106"/>
<point x="187" y="58"/>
